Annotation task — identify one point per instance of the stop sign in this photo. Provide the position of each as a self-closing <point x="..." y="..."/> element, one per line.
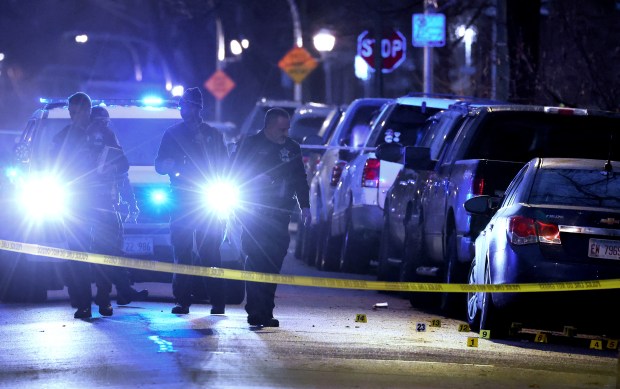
<point x="393" y="50"/>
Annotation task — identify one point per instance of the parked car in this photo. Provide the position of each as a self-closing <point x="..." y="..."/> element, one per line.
<point x="255" y="120"/>
<point x="352" y="129"/>
<point x="559" y="221"/>
<point x="402" y="206"/>
<point x="139" y="127"/>
<point x="358" y="199"/>
<point x="311" y="125"/>
<point x="486" y="148"/>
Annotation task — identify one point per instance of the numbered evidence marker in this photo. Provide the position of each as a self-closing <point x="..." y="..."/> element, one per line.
<point x="435" y="323"/>
<point x="463" y="328"/>
<point x="485" y="334"/>
<point x="540" y="337"/>
<point x="361" y="318"/>
<point x="472" y="342"/>
<point x="420" y="327"/>
<point x="612" y="344"/>
<point x="596" y="344"/>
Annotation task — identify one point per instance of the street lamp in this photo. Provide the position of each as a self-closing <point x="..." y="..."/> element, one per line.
<point x="324" y="42"/>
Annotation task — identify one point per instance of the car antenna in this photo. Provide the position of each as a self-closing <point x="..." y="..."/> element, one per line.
<point x="608" y="168"/>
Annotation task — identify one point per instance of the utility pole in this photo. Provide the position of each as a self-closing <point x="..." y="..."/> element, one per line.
<point x="500" y="64"/>
<point x="298" y="40"/>
<point x="428" y="53"/>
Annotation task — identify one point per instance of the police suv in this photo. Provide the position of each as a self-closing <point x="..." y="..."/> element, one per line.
<point x="33" y="204"/>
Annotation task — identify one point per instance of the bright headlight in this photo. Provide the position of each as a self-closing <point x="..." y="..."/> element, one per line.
<point x="221" y="197"/>
<point x="42" y="197"/>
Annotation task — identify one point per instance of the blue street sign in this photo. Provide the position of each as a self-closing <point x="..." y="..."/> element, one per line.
<point x="429" y="30"/>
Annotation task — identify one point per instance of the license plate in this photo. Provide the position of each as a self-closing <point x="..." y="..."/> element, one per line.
<point x="138" y="246"/>
<point x="608" y="249"/>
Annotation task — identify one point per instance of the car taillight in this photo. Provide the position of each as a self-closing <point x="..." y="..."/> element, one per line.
<point x="370" y="174"/>
<point x="524" y="230"/>
<point x="336" y="173"/>
<point x="478" y="186"/>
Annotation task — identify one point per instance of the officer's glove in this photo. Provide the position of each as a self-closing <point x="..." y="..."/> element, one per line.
<point x="132" y="216"/>
<point x="306" y="216"/>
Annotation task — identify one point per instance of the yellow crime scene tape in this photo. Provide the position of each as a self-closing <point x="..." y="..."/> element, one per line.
<point x="338" y="283"/>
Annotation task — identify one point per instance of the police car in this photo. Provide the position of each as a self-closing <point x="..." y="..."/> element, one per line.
<point x="35" y="206"/>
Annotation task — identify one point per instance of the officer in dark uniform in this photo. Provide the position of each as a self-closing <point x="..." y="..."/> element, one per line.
<point x="74" y="162"/>
<point x="192" y="153"/>
<point x="270" y="167"/>
<point x="108" y="226"/>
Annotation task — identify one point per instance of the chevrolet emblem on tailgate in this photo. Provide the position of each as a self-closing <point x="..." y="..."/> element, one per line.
<point x="610" y="221"/>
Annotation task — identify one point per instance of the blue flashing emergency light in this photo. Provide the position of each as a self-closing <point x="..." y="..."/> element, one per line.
<point x="159" y="197"/>
<point x="152" y="101"/>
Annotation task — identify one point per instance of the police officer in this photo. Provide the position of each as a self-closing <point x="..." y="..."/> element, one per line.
<point x="193" y="153"/>
<point x="108" y="227"/>
<point x="73" y="160"/>
<point x="272" y="171"/>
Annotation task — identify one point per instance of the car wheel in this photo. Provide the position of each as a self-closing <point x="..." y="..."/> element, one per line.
<point x="385" y="270"/>
<point x="308" y="250"/>
<point x="352" y="257"/>
<point x="473" y="312"/>
<point x="327" y="255"/>
<point x="492" y="318"/>
<point x="452" y="303"/>
<point x="414" y="257"/>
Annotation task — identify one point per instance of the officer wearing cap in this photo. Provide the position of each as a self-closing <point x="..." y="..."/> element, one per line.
<point x="192" y="153"/>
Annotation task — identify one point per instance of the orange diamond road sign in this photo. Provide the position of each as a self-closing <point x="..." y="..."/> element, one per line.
<point x="297" y="63"/>
<point x="219" y="84"/>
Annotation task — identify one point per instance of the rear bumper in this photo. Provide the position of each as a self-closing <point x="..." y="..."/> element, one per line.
<point x="158" y="234"/>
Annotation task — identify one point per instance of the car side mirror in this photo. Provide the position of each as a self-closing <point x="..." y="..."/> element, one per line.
<point x="312" y="140"/>
<point x="392" y="152"/>
<point x="418" y="158"/>
<point x="482" y="205"/>
<point x="22" y="152"/>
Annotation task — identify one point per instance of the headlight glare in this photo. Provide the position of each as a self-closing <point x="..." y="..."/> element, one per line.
<point x="221" y="197"/>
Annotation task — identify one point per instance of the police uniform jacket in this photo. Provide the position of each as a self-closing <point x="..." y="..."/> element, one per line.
<point x="282" y="163"/>
<point x="81" y="158"/>
<point x="199" y="154"/>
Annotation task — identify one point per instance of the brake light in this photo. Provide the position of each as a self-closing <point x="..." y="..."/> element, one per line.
<point x="548" y="233"/>
<point x="370" y="174"/>
<point x="524" y="230"/>
<point x="336" y="173"/>
<point x="478" y="186"/>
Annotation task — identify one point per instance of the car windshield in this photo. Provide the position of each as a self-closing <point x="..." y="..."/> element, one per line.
<point x="305" y="126"/>
<point x="595" y="188"/>
<point x="139" y="138"/>
<point x="405" y="125"/>
<point x="354" y="129"/>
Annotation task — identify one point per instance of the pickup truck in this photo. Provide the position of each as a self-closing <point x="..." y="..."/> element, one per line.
<point x="483" y="153"/>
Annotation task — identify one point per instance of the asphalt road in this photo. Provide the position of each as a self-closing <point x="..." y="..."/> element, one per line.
<point x="318" y="345"/>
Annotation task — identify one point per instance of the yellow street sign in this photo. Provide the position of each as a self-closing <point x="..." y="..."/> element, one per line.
<point x="297" y="63"/>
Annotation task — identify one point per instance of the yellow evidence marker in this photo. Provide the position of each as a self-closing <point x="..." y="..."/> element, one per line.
<point x="612" y="344"/>
<point x="463" y="328"/>
<point x="596" y="344"/>
<point x="540" y="337"/>
<point x="472" y="342"/>
<point x="435" y="323"/>
<point x="485" y="334"/>
<point x="361" y="318"/>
